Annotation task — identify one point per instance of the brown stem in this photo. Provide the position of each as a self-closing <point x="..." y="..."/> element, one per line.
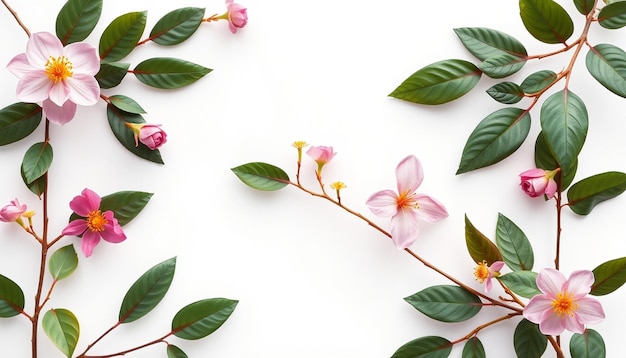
<point x="483" y="326"/>
<point x="123" y="353"/>
<point x="17" y="18"/>
<point x="99" y="338"/>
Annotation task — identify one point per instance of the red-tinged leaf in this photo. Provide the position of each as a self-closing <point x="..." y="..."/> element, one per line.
<point x="479" y="246"/>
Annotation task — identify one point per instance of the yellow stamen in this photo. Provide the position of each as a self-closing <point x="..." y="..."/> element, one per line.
<point x="299" y="144"/>
<point x="96" y="221"/>
<point x="338" y="185"/>
<point x="564" y="304"/>
<point x="481" y="272"/>
<point x="406" y="200"/>
<point x="58" y="68"/>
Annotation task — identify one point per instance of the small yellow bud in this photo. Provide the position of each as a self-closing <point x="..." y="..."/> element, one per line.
<point x="338" y="185"/>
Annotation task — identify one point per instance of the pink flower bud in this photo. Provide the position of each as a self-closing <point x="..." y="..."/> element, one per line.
<point x="12" y="212"/>
<point x="152" y="136"/>
<point x="237" y="16"/>
<point x="537" y="182"/>
<point x="321" y="155"/>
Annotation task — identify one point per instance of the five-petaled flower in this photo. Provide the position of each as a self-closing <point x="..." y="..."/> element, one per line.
<point x="536" y="182"/>
<point x="149" y="134"/>
<point x="406" y="206"/>
<point x="94" y="223"/>
<point x="321" y="155"/>
<point x="485" y="273"/>
<point x="236" y="14"/>
<point x="563" y="303"/>
<point x="60" y="77"/>
<point x="13" y="212"/>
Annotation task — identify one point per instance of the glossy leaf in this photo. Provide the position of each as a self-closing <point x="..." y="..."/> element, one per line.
<point x="564" y="121"/>
<point x="126" y="205"/>
<point x="607" y="64"/>
<point x="479" y="246"/>
<point x="538" y="81"/>
<point x="63" y="262"/>
<point x="121" y="36"/>
<point x="613" y="16"/>
<point x="147" y="292"/>
<point x="77" y="19"/>
<point x="501" y="66"/>
<point x="169" y="73"/>
<point x="589" y="344"/>
<point x="201" y="318"/>
<point x="111" y="74"/>
<point x="546" y="20"/>
<point x="506" y="92"/>
<point x="473" y="348"/>
<point x="425" y="347"/>
<point x="513" y="245"/>
<point x="586" y="194"/>
<point x="61" y="326"/>
<point x="11" y="298"/>
<point x="125" y="135"/>
<point x="38" y="186"/>
<point x="262" y="176"/>
<point x="584" y="6"/>
<point x="175" y="352"/>
<point x="486" y="43"/>
<point x="439" y="83"/>
<point x="522" y="283"/>
<point x="545" y="160"/>
<point x="528" y="341"/>
<point x="126" y="104"/>
<point x="609" y="276"/>
<point x="177" y="26"/>
<point x="17" y="121"/>
<point x="496" y="137"/>
<point x="446" y="303"/>
<point x="37" y="161"/>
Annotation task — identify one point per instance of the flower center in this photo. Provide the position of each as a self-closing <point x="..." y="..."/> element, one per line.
<point x="481" y="272"/>
<point x="564" y="304"/>
<point x="406" y="200"/>
<point x="96" y="221"/>
<point x="58" y="68"/>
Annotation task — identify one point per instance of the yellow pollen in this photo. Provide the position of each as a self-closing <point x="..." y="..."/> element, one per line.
<point x="96" y="221"/>
<point x="481" y="272"/>
<point x="406" y="200"/>
<point x="338" y="185"/>
<point x="564" y="304"/>
<point x="58" y="68"/>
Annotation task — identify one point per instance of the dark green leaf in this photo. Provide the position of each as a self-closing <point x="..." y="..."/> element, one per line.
<point x="63" y="262"/>
<point x="609" y="276"/>
<point x="17" y="121"/>
<point x="177" y="26"/>
<point x="121" y="36"/>
<point x="38" y="186"/>
<point x="473" y="349"/>
<point x="169" y="73"/>
<point x="545" y="160"/>
<point x="528" y="341"/>
<point x="111" y="74"/>
<point x="11" y="298"/>
<point x="538" y="81"/>
<point x="37" y="161"/>
<point x="425" y="347"/>
<point x="506" y="92"/>
<point x="126" y="104"/>
<point x="546" y="20"/>
<point x="584" y="6"/>
<point x="522" y="283"/>
<point x="607" y="64"/>
<point x="496" y="137"/>
<point x="613" y="16"/>
<point x="201" y="318"/>
<point x="438" y="83"/>
<point x="61" y="326"/>
<point x="513" y="245"/>
<point x="486" y="43"/>
<point x="125" y="135"/>
<point x="261" y="176"/>
<point x="501" y="66"/>
<point x="77" y="19"/>
<point x="126" y="205"/>
<point x="446" y="303"/>
<point x="147" y="292"/>
<point x="479" y="246"/>
<point x="589" y="344"/>
<point x="175" y="352"/>
<point x="589" y="192"/>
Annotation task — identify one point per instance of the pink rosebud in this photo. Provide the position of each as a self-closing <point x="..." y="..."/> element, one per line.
<point x="537" y="182"/>
<point x="12" y="212"/>
<point x="149" y="134"/>
<point x="321" y="155"/>
<point x="237" y="16"/>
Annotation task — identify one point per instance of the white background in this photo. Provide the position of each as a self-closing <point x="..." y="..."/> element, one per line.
<point x="312" y="280"/>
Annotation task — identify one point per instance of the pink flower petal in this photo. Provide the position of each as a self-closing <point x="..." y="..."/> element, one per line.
<point x="84" y="90"/>
<point x="89" y="242"/>
<point x="533" y="173"/>
<point x="404" y="228"/>
<point x="19" y="65"/>
<point x="589" y="310"/>
<point x="550" y="189"/>
<point x="41" y="46"/>
<point x="84" y="58"/>
<point x="59" y="93"/>
<point x="430" y="209"/>
<point x="112" y="230"/>
<point x="497" y="266"/>
<point x="550" y="281"/>
<point x="572" y="324"/>
<point x="551" y="324"/>
<point x="75" y="227"/>
<point x="85" y="203"/>
<point x="536" y="307"/>
<point x="383" y="203"/>
<point x="33" y="87"/>
<point x="579" y="283"/>
<point x="59" y="115"/>
<point x="409" y="174"/>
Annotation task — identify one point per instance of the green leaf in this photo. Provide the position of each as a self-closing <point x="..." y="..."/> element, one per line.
<point x="63" y="262"/>
<point x="545" y="160"/>
<point x="446" y="303"/>
<point x="609" y="276"/>
<point x="61" y="326"/>
<point x="121" y="36"/>
<point x="111" y="74"/>
<point x="546" y="20"/>
<point x="177" y="26"/>
<point x="439" y="83"/>
<point x="425" y="347"/>
<point x="126" y="205"/>
<point x="607" y="64"/>
<point x="147" y="292"/>
<point x="496" y="137"/>
<point x="513" y="244"/>
<point x="528" y="341"/>
<point x="126" y="104"/>
<point x="125" y="135"/>
<point x="501" y="66"/>
<point x="613" y="16"/>
<point x="564" y="122"/>
<point x="38" y="186"/>
<point x="506" y="92"/>
<point x="37" y="161"/>
<point x="586" y="194"/>
<point x="175" y="352"/>
<point x="11" y="298"/>
<point x="201" y="318"/>
<point x="473" y="349"/>
<point x="77" y="19"/>
<point x="522" y="283"/>
<point x="538" y="81"/>
<point x="17" y="121"/>
<point x="584" y="6"/>
<point x="589" y="344"/>
<point x="262" y="176"/>
<point x="479" y="246"/>
<point x="169" y="73"/>
<point x="486" y="43"/>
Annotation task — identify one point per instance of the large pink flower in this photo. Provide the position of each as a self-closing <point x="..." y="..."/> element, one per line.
<point x="59" y="77"/>
<point x="94" y="223"/>
<point x="563" y="304"/>
<point x="406" y="207"/>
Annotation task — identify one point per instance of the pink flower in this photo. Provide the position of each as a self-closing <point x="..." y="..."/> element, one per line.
<point x="563" y="303"/>
<point x="321" y="155"/>
<point x="94" y="224"/>
<point x="60" y="77"/>
<point x="237" y="16"/>
<point x="407" y="206"/>
<point x="12" y="212"/>
<point x="149" y="134"/>
<point x="536" y="182"/>
<point x="484" y="273"/>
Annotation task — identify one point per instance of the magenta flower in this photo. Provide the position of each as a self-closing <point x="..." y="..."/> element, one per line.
<point x="563" y="303"/>
<point x="537" y="182"/>
<point x="149" y="134"/>
<point x="59" y="77"/>
<point x="321" y="155"/>
<point x="12" y="212"/>
<point x="94" y="223"/>
<point x="406" y="207"/>
<point x="484" y="273"/>
<point x="237" y="16"/>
